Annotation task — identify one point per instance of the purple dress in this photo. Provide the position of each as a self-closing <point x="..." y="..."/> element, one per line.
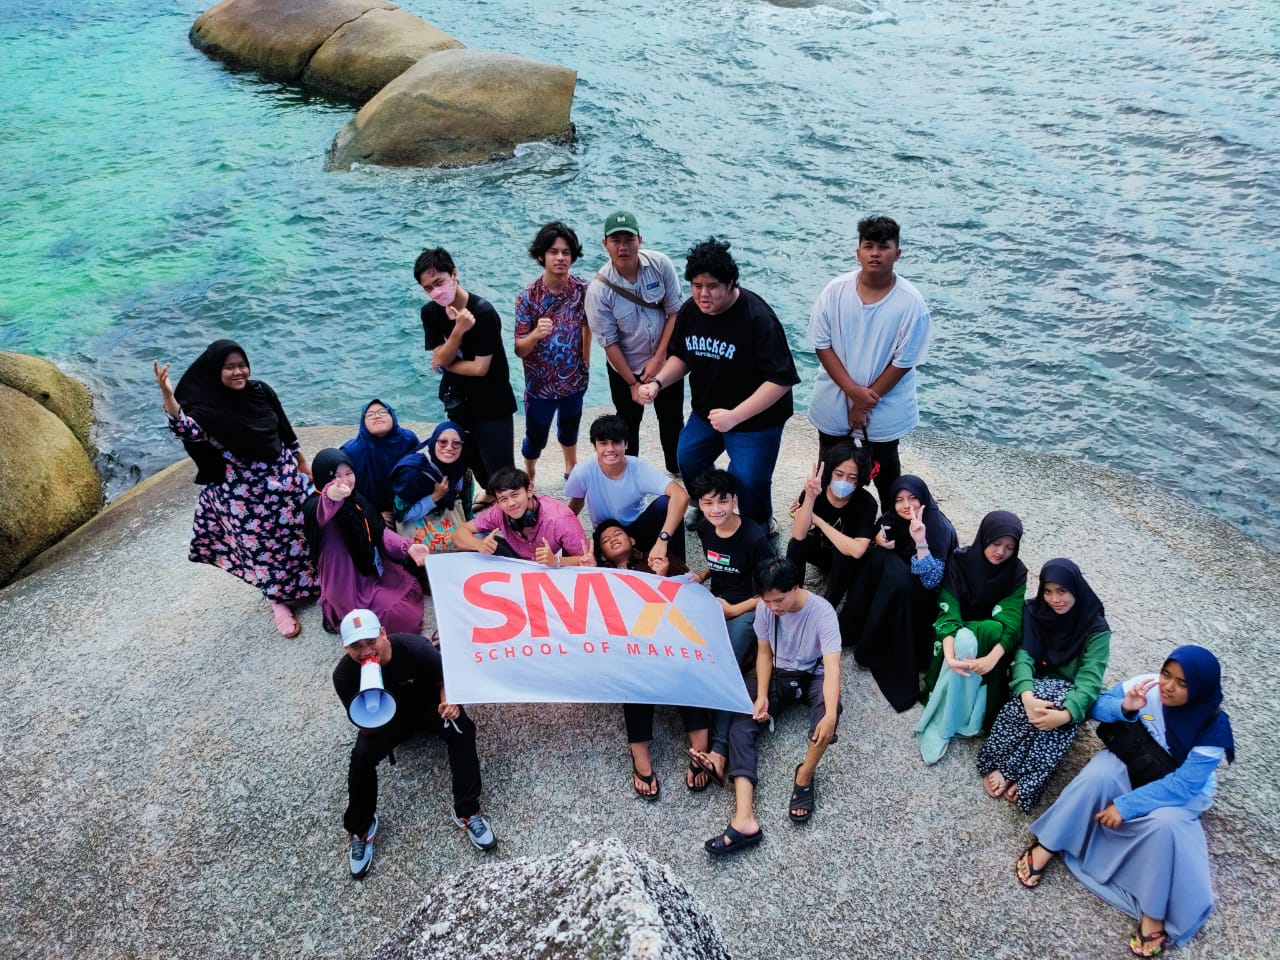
<point x="250" y="524"/>
<point x="395" y="596"/>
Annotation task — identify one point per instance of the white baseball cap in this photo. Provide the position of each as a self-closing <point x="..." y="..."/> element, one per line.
<point x="359" y="625"/>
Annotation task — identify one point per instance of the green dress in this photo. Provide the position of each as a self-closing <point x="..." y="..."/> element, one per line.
<point x="1004" y="627"/>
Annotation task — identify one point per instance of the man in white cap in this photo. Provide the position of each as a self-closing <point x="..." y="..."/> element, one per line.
<point x="631" y="308"/>
<point x="413" y="676"/>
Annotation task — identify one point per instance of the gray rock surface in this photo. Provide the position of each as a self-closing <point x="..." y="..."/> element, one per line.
<point x="458" y="107"/>
<point x="174" y="772"/>
<point x="597" y="899"/>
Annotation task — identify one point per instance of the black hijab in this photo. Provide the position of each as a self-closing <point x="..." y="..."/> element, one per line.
<point x="979" y="584"/>
<point x="939" y="533"/>
<point x="1052" y="639"/>
<point x="249" y="423"/>
<point x="360" y="524"/>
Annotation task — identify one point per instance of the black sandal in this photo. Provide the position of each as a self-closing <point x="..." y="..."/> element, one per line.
<point x="649" y="779"/>
<point x="802" y="798"/>
<point x="1145" y="945"/>
<point x="706" y="768"/>
<point x="1033" y="875"/>
<point x="698" y="771"/>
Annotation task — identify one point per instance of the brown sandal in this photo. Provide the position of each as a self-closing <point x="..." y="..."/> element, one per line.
<point x="1146" y="945"/>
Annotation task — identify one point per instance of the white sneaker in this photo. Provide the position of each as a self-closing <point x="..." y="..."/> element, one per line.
<point x="478" y="830"/>
<point x="361" y="853"/>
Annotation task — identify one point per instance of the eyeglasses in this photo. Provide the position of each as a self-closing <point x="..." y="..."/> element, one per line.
<point x="451" y="444"/>
<point x="377" y="415"/>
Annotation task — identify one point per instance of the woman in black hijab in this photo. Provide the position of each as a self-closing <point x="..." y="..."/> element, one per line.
<point x="888" y="618"/>
<point x="249" y="516"/>
<point x="978" y="628"/>
<point x="1056" y="677"/>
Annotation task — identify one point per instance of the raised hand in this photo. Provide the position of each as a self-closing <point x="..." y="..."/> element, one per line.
<point x="917" y="528"/>
<point x="337" y="491"/>
<point x="545" y="555"/>
<point x="162" y="378"/>
<point x="544" y="328"/>
<point x="418" y="553"/>
<point x="813" y="484"/>
<point x="440" y="489"/>
<point x="462" y="319"/>
<point x="1136" y="698"/>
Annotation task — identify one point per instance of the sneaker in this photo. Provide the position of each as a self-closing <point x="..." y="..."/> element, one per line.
<point x="478" y="830"/>
<point x="361" y="854"/>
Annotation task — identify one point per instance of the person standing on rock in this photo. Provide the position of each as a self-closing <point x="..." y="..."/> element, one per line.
<point x="631" y="307"/>
<point x="249" y="519"/>
<point x="870" y="329"/>
<point x="412" y="673"/>
<point x="741" y="373"/>
<point x="554" y="341"/>
<point x="463" y="333"/>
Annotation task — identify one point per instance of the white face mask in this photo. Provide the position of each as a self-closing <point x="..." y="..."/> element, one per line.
<point x="445" y="293"/>
<point x="841" y="488"/>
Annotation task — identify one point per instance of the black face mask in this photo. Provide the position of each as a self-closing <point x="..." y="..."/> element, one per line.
<point x="527" y="520"/>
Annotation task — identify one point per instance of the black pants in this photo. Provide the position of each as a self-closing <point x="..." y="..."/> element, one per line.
<point x="488" y="446"/>
<point x="840" y="569"/>
<point x="668" y="405"/>
<point x="372" y="746"/>
<point x="645" y="528"/>
<point x="745" y="732"/>
<point x="639" y="720"/>
<point x="885" y="454"/>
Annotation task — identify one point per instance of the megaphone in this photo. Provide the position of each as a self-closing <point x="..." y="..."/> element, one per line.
<point x="372" y="707"/>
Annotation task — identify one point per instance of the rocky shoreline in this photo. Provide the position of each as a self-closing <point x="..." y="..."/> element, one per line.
<point x="176" y="772"/>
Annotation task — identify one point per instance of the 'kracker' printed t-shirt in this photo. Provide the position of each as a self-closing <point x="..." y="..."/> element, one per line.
<point x="732" y="560"/>
<point x="731" y="354"/>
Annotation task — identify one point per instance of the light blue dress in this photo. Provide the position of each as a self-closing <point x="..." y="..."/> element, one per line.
<point x="1156" y="862"/>
<point x="956" y="706"/>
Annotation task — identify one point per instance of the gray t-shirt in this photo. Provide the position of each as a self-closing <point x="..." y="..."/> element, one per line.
<point x="803" y="636"/>
<point x="635" y="329"/>
<point x="865" y="338"/>
<point x="622" y="499"/>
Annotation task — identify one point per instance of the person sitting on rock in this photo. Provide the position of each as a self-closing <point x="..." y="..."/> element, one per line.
<point x="797" y="662"/>
<point x="614" y="487"/>
<point x="524" y="526"/>
<point x="614" y="547"/>
<point x="413" y="676"/>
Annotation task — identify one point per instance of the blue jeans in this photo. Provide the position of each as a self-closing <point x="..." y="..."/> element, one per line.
<point x="538" y="412"/>
<point x="752" y="456"/>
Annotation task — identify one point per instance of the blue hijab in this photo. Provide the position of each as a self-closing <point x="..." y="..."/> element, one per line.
<point x="417" y="473"/>
<point x="372" y="458"/>
<point x="1201" y="720"/>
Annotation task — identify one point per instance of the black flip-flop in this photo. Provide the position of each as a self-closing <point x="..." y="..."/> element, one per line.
<point x="706" y="768"/>
<point x="696" y="768"/>
<point x="649" y="779"/>
<point x="718" y="847"/>
<point x="1033" y="875"/>
<point x="802" y="798"/>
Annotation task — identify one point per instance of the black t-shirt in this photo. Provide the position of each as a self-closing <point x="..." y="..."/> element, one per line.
<point x="856" y="519"/>
<point x="413" y="677"/>
<point x="482" y="398"/>
<point x="731" y="354"/>
<point x="733" y="560"/>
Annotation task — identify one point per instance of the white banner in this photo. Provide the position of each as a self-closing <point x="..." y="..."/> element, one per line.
<point x="514" y="631"/>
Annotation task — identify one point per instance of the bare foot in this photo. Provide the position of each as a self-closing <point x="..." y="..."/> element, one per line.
<point x="995" y="784"/>
<point x="1012" y="793"/>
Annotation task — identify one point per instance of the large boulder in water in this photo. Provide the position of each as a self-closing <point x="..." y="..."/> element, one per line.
<point x="597" y="899"/>
<point x="66" y="398"/>
<point x="347" y="47"/>
<point x="458" y="107"/>
<point x="363" y="56"/>
<point x="48" y="485"/>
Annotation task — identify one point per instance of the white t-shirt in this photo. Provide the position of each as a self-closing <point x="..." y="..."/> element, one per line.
<point x="803" y="636"/>
<point x="865" y="338"/>
<point x="622" y="499"/>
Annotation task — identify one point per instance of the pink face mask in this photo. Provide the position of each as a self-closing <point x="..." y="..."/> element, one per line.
<point x="445" y="293"/>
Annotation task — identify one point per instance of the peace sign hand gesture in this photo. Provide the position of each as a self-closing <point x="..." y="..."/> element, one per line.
<point x="813" y="484"/>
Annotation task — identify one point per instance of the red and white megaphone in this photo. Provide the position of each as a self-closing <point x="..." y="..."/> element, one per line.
<point x="372" y="707"/>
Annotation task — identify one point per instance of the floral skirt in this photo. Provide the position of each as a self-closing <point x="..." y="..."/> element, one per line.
<point x="250" y="525"/>
<point x="1024" y="755"/>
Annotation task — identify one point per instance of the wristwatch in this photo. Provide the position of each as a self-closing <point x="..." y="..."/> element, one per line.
<point x="664" y="536"/>
<point x="657" y="381"/>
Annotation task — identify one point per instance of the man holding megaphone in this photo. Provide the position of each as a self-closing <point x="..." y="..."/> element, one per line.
<point x="391" y="687"/>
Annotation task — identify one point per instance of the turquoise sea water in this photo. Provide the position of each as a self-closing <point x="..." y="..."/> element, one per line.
<point x="1088" y="192"/>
